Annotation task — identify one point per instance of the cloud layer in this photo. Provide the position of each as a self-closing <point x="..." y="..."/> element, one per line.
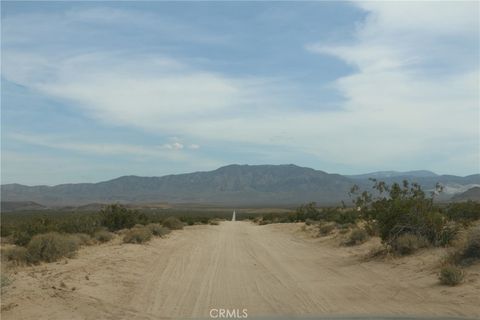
<point x="412" y="101"/>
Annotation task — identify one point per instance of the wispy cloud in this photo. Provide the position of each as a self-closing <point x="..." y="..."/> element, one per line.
<point x="167" y="150"/>
<point x="411" y="102"/>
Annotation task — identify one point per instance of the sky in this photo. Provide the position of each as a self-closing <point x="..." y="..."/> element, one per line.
<point x="91" y="91"/>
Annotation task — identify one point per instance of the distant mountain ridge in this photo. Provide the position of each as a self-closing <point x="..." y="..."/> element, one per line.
<point x="232" y="185"/>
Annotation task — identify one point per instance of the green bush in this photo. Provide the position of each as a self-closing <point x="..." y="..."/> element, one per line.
<point x="17" y="255"/>
<point x="173" y="223"/>
<point x="463" y="211"/>
<point x="408" y="243"/>
<point x="103" y="236"/>
<point x="357" y="236"/>
<point x="116" y="217"/>
<point x="157" y="230"/>
<point x="50" y="247"/>
<point x="326" y="228"/>
<point x="451" y="275"/>
<point x="401" y="209"/>
<point x="138" y="235"/>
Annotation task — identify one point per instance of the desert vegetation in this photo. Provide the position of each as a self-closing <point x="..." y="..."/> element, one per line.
<point x="49" y="236"/>
<point x="405" y="218"/>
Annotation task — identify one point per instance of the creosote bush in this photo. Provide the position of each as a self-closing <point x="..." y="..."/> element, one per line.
<point x="157" y="230"/>
<point x="51" y="246"/>
<point x="408" y="243"/>
<point x="451" y="275"/>
<point x="103" y="236"/>
<point x="138" y="235"/>
<point x="173" y="223"/>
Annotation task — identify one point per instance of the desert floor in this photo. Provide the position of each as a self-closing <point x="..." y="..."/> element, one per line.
<point x="269" y="270"/>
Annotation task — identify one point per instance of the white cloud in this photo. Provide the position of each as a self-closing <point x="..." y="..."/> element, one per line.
<point x="414" y="92"/>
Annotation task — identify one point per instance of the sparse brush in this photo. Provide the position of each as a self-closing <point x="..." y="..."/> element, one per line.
<point x="213" y="222"/>
<point x="4" y="281"/>
<point x="408" y="243"/>
<point x="138" y="235"/>
<point x="451" y="275"/>
<point x="264" y="222"/>
<point x="173" y="223"/>
<point x="466" y="250"/>
<point x="157" y="230"/>
<point x="327" y="228"/>
<point x="357" y="236"/>
<point x="17" y="255"/>
<point x="103" y="236"/>
<point x="83" y="239"/>
<point x="50" y="247"/>
<point x="448" y="234"/>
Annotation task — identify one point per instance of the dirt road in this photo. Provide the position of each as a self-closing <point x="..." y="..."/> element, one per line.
<point x="267" y="270"/>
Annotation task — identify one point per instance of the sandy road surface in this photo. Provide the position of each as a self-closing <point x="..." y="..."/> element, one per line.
<point x="268" y="270"/>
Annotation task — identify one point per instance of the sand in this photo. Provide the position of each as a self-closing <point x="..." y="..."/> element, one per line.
<point x="268" y="270"/>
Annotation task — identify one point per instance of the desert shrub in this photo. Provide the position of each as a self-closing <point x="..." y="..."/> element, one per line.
<point x="371" y="228"/>
<point x="472" y="248"/>
<point x="451" y="275"/>
<point x="157" y="230"/>
<point x="4" y="280"/>
<point x="463" y="211"/>
<point x="401" y="209"/>
<point x="448" y="234"/>
<point x="50" y="247"/>
<point x="17" y="255"/>
<point x="115" y="217"/>
<point x="264" y="222"/>
<point x="326" y="228"/>
<point x="103" y="236"/>
<point x="173" y="223"/>
<point x="467" y="251"/>
<point x="83" y="238"/>
<point x="357" y="236"/>
<point x="213" y="222"/>
<point x="138" y="235"/>
<point x="408" y="243"/>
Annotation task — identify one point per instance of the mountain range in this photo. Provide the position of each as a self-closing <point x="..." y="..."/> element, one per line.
<point x="233" y="185"/>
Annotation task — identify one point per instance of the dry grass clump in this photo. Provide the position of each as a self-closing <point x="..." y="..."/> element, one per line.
<point x="103" y="236"/>
<point x="357" y="236"/>
<point x="466" y="250"/>
<point x="83" y="239"/>
<point x="17" y="255"/>
<point x="157" y="230"/>
<point x="326" y="228"/>
<point x="451" y="275"/>
<point x="138" y="235"/>
<point x="214" y="222"/>
<point x="173" y="223"/>
<point x="51" y="246"/>
<point x="408" y="243"/>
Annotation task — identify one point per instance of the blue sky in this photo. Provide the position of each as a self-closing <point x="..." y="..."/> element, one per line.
<point x="95" y="90"/>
